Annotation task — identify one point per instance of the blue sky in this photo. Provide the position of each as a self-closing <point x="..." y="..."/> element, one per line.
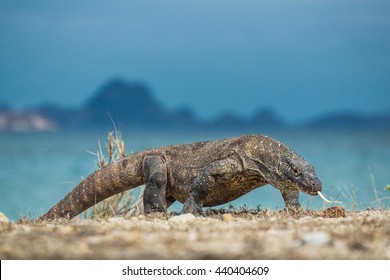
<point x="303" y="58"/>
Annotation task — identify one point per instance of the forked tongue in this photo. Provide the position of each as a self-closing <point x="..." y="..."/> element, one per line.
<point x="325" y="199"/>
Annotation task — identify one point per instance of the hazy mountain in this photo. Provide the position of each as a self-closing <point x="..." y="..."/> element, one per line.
<point x="132" y="104"/>
<point x="350" y="120"/>
<point x="265" y="119"/>
<point x="129" y="104"/>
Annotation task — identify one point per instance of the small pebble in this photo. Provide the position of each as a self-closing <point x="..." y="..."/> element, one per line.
<point x="182" y="219"/>
<point x="227" y="217"/>
<point x="316" y="238"/>
<point x="134" y="219"/>
<point x="114" y="220"/>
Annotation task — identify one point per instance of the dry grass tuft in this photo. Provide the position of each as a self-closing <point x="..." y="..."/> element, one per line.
<point x="122" y="204"/>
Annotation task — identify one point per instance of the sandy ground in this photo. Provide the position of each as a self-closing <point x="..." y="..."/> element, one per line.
<point x="230" y="235"/>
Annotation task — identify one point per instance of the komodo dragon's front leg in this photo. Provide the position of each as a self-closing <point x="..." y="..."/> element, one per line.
<point x="155" y="175"/>
<point x="201" y="186"/>
<point x="291" y="198"/>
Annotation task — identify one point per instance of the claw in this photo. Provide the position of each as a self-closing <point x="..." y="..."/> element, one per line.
<point x="325" y="199"/>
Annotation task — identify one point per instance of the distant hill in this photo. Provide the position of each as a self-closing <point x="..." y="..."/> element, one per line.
<point x="350" y="120"/>
<point x="132" y="105"/>
<point x="264" y="119"/>
<point x="129" y="102"/>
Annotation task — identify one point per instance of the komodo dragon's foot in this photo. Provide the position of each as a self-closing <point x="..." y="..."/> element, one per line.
<point x="190" y="207"/>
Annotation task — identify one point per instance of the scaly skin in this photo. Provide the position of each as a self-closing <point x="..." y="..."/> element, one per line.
<point x="198" y="174"/>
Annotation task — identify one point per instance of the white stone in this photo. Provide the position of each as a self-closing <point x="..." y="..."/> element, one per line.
<point x="316" y="238"/>
<point x="183" y="219"/>
<point x="114" y="220"/>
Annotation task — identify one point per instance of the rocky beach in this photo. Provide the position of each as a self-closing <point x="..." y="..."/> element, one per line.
<point x="241" y="234"/>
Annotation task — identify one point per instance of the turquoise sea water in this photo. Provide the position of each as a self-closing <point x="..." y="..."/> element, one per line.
<point x="38" y="169"/>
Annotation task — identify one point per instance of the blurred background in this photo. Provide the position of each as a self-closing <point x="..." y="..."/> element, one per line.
<point x="315" y="75"/>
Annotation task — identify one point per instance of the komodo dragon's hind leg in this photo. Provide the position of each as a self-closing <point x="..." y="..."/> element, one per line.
<point x="155" y="173"/>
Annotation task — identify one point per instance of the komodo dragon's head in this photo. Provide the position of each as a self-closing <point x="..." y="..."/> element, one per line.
<point x="296" y="172"/>
<point x="284" y="168"/>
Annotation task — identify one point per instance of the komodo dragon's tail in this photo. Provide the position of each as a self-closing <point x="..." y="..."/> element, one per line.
<point x="114" y="178"/>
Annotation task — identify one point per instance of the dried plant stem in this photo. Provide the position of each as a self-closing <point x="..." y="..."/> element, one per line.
<point x="122" y="204"/>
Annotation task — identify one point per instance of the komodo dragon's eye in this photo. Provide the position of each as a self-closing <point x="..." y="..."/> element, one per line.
<point x="296" y="172"/>
<point x="293" y="169"/>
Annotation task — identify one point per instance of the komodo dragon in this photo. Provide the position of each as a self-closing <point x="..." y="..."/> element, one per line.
<point x="199" y="175"/>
